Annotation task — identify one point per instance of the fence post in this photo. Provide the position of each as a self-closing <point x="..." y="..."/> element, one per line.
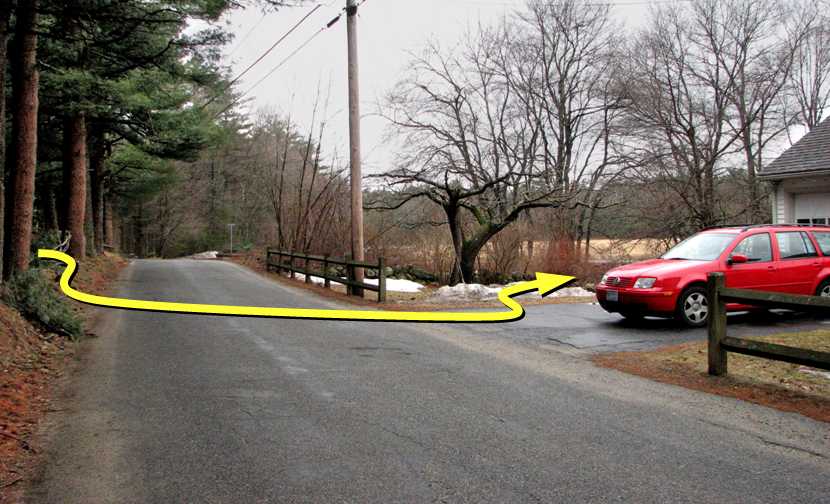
<point x="291" y="264"/>
<point x="307" y="274"/>
<point x="381" y="281"/>
<point x="326" y="280"/>
<point x="717" y="325"/>
<point x="268" y="259"/>
<point x="350" y="290"/>
<point x="278" y="265"/>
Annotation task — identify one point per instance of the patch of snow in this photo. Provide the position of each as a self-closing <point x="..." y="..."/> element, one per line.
<point x="477" y="292"/>
<point x="815" y="372"/>
<point x="206" y="255"/>
<point x="572" y="292"/>
<point x="468" y="292"/>
<point x="396" y="285"/>
<point x="315" y="280"/>
<point x="392" y="284"/>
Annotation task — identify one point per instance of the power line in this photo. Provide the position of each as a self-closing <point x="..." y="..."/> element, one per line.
<point x="302" y="46"/>
<point x="245" y="37"/>
<point x="263" y="55"/>
<point x="275" y="44"/>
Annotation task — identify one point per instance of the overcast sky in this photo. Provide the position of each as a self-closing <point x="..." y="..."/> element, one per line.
<point x="388" y="29"/>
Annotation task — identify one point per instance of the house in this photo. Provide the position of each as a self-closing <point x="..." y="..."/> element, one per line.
<point x="801" y="180"/>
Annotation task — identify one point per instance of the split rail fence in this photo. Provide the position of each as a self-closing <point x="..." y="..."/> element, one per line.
<point x="720" y="344"/>
<point x="279" y="261"/>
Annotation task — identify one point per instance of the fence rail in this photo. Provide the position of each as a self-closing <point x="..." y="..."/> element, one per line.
<point x="285" y="261"/>
<point x="720" y="344"/>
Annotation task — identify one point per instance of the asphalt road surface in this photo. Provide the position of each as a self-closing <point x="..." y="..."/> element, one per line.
<point x="177" y="408"/>
<point x="588" y="329"/>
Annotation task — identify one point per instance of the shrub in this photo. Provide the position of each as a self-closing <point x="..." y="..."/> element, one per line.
<point x="36" y="299"/>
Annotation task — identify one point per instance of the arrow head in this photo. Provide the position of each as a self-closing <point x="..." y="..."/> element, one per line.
<point x="547" y="283"/>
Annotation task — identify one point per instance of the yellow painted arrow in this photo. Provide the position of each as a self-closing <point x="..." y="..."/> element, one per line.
<point x="544" y="283"/>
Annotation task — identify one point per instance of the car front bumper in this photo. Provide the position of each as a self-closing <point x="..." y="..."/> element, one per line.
<point x="646" y="301"/>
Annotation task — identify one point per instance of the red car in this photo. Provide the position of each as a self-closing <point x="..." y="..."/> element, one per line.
<point x="783" y="258"/>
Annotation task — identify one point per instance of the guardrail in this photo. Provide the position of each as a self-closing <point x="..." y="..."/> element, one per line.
<point x="720" y="343"/>
<point x="285" y="262"/>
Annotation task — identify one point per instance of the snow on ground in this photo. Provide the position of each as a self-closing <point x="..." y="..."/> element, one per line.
<point x="460" y="292"/>
<point x="477" y="292"/>
<point x="396" y="285"/>
<point x="206" y="255"/>
<point x="392" y="284"/>
<point x="468" y="291"/>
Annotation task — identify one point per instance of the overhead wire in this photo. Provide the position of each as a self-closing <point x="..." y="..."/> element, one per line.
<point x="263" y="55"/>
<point x="302" y="46"/>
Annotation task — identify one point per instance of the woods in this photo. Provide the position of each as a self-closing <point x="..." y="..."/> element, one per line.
<point x="517" y="147"/>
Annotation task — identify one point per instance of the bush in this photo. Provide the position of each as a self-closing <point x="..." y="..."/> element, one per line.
<point x="36" y="299"/>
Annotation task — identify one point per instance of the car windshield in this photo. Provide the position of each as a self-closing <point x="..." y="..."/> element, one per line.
<point x="701" y="247"/>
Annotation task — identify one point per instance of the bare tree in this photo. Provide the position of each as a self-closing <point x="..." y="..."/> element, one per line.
<point x="810" y="79"/>
<point x="517" y="118"/>
<point x="679" y="104"/>
<point x="471" y="146"/>
<point x="757" y="59"/>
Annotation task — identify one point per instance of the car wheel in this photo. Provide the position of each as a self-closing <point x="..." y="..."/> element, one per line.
<point x="824" y="289"/>
<point x="693" y="307"/>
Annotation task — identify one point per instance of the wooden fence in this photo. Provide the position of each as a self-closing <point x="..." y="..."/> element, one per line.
<point x="720" y="343"/>
<point x="279" y="261"/>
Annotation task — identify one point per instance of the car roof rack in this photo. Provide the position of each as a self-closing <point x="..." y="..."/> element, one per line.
<point x="747" y="227"/>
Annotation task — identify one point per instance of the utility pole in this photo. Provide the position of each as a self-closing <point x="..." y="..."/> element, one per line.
<point x="354" y="143"/>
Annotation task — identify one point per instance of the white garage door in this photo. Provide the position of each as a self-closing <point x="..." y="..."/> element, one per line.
<point x="812" y="208"/>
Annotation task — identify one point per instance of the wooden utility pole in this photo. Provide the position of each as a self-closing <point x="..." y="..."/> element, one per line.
<point x="354" y="143"/>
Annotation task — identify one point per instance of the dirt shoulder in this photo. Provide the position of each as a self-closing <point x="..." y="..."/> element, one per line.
<point x="33" y="363"/>
<point x="787" y="387"/>
<point x="396" y="301"/>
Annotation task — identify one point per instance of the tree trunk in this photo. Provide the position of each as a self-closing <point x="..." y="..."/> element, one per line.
<point x="96" y="162"/>
<point x="452" y="210"/>
<point x="75" y="167"/>
<point x="5" y="14"/>
<point x="23" y="154"/>
<point x="49" y="212"/>
<point x="109" y="228"/>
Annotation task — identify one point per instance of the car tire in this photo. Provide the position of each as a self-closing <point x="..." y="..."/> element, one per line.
<point x="824" y="289"/>
<point x="693" y="307"/>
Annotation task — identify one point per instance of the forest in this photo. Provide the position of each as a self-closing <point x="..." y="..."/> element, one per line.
<point x="521" y="145"/>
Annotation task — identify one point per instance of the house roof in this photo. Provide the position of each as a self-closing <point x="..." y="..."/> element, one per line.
<point x="809" y="155"/>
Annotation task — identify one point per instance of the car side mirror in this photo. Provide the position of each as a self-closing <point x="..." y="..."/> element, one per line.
<point x="738" y="259"/>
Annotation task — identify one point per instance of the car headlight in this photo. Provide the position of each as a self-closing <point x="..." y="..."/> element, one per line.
<point x="645" y="283"/>
<point x="604" y="278"/>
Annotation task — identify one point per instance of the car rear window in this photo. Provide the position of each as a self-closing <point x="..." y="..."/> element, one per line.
<point x="823" y="240"/>
<point x="795" y="245"/>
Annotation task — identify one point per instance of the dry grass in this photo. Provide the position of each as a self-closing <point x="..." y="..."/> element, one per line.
<point x="780" y="385"/>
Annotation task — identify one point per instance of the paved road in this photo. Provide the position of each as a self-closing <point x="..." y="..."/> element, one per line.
<point x="173" y="408"/>
<point x="587" y="329"/>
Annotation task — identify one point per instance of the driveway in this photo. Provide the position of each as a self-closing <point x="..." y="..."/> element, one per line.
<point x="587" y="328"/>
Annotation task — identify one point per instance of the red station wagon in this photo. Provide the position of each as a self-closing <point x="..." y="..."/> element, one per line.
<point x="782" y="258"/>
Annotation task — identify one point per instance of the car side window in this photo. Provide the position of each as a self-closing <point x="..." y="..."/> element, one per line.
<point x="795" y="245"/>
<point x="823" y="240"/>
<point x="758" y="248"/>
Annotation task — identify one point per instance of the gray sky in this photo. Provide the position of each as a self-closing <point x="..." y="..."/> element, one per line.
<point x="387" y="30"/>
